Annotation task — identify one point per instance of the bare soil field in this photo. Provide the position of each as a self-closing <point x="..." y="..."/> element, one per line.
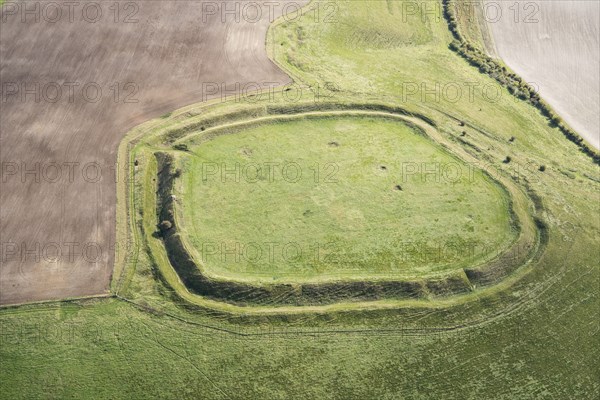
<point x="555" y="45"/>
<point x="75" y="79"/>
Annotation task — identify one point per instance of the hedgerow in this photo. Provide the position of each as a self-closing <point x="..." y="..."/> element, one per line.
<point x="513" y="82"/>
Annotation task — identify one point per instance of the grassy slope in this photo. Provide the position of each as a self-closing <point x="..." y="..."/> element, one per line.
<point x="544" y="344"/>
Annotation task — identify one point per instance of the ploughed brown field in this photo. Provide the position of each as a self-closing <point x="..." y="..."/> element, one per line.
<point x="555" y="45"/>
<point x="71" y="88"/>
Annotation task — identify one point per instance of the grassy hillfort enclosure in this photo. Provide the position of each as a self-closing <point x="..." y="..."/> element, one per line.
<point x="374" y="239"/>
<point x="403" y="218"/>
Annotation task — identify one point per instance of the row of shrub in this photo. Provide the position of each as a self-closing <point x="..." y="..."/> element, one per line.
<point x="514" y="83"/>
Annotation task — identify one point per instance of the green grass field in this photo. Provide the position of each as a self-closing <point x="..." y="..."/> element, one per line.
<point x="330" y="198"/>
<point x="535" y="335"/>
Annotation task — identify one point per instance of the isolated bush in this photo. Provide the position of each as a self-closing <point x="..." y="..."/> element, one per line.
<point x="181" y="147"/>
<point x="542" y="168"/>
<point x="165" y="226"/>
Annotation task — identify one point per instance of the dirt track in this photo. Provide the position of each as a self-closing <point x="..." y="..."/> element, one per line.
<point x="58" y="151"/>
<point x="556" y="46"/>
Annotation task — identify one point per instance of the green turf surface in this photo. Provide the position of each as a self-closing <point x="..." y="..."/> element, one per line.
<point x="330" y="198"/>
<point x="537" y="337"/>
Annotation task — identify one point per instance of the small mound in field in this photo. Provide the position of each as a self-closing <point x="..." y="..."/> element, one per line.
<point x="246" y="152"/>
